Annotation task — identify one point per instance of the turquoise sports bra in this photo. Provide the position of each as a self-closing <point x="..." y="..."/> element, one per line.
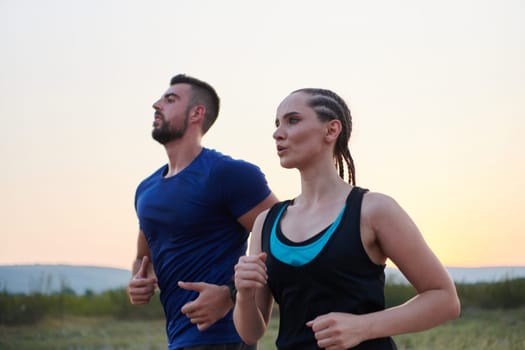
<point x="301" y="254"/>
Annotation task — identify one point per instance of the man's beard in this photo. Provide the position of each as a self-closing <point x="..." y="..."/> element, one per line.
<point x="166" y="134"/>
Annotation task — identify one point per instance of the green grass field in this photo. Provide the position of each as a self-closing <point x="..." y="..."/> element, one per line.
<point x="474" y="330"/>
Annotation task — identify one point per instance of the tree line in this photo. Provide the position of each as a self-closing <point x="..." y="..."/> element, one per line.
<point x="21" y="309"/>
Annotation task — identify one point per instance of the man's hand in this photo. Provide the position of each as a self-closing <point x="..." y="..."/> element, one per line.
<point x="140" y="287"/>
<point x="212" y="304"/>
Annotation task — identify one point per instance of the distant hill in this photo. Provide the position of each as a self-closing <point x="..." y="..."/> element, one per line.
<point x="46" y="279"/>
<point x="469" y="274"/>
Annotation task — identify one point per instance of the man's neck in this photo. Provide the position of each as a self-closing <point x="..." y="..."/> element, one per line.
<point x="180" y="155"/>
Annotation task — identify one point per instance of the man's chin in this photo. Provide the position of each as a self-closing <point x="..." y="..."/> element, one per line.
<point x="159" y="138"/>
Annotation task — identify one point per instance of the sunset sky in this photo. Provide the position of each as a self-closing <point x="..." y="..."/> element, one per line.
<point x="436" y="89"/>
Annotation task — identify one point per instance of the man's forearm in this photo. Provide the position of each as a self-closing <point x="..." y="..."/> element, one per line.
<point x="135" y="266"/>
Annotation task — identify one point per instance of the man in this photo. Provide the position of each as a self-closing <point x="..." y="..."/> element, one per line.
<point x="195" y="214"/>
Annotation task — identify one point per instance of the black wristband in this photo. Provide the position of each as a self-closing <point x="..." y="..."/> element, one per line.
<point x="233" y="290"/>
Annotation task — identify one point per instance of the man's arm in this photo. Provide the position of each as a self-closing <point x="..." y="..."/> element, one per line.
<point x="143" y="281"/>
<point x="249" y="217"/>
<point x="214" y="301"/>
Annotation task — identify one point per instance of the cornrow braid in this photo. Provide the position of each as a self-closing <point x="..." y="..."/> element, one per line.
<point x="329" y="106"/>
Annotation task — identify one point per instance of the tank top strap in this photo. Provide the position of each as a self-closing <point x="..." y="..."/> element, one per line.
<point x="354" y="201"/>
<point x="268" y="223"/>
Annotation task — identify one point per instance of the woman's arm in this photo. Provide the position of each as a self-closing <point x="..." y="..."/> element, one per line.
<point x="388" y="232"/>
<point x="254" y="301"/>
<point x="399" y="239"/>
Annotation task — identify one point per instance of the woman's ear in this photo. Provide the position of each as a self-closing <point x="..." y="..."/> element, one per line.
<point x="333" y="129"/>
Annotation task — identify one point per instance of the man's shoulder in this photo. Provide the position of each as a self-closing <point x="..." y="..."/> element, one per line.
<point x="153" y="176"/>
<point x="225" y="162"/>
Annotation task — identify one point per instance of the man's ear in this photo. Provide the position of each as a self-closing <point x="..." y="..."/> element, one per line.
<point x="333" y="129"/>
<point x="197" y="113"/>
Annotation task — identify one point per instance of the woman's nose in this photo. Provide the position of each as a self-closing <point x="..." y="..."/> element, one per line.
<point x="278" y="134"/>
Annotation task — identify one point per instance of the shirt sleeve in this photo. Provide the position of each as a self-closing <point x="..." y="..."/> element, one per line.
<point x="242" y="185"/>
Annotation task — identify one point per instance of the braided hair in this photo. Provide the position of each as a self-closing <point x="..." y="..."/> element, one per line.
<point x="329" y="106"/>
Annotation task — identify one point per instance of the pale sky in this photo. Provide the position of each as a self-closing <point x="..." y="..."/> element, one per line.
<point x="436" y="90"/>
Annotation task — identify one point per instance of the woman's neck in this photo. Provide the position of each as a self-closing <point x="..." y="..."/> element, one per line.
<point x="321" y="188"/>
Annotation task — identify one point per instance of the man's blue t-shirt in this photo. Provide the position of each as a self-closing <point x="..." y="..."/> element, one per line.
<point x="190" y="223"/>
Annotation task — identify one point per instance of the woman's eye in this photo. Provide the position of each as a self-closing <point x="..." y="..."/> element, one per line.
<point x="293" y="120"/>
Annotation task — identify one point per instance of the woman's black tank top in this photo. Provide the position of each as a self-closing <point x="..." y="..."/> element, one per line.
<point x="341" y="278"/>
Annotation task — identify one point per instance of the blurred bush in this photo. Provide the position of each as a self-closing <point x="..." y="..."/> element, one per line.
<point x="16" y="309"/>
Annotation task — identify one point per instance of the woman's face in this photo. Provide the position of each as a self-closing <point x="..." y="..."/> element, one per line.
<point x="299" y="134"/>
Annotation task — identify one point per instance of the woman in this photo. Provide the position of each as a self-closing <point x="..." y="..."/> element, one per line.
<point x="321" y="256"/>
